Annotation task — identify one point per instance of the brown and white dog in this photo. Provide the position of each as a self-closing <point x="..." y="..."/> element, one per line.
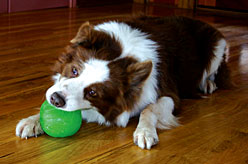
<point x="117" y="70"/>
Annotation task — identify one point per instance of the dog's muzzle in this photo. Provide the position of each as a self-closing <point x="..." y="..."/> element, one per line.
<point x="57" y="100"/>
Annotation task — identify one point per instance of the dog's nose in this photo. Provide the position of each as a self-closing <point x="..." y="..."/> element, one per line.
<point x="57" y="100"/>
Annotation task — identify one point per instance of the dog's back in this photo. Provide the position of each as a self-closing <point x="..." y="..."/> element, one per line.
<point x="190" y="53"/>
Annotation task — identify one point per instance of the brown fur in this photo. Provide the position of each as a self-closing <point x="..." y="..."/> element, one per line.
<point x="185" y="49"/>
<point x="105" y="46"/>
<point x="119" y="94"/>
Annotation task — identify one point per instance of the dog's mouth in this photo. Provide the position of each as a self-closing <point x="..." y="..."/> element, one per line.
<point x="65" y="103"/>
<point x="87" y="108"/>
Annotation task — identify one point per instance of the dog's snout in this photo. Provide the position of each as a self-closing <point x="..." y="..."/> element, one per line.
<point x="57" y="100"/>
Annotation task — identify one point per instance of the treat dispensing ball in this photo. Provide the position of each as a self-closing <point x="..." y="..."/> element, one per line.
<point x="59" y="123"/>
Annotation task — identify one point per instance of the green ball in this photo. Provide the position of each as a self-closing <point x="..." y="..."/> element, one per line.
<point x="59" y="123"/>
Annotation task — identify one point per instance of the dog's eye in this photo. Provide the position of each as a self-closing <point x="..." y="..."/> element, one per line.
<point x="92" y="93"/>
<point x="74" y="72"/>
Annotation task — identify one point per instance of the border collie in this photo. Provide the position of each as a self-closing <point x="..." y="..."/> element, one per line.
<point x="141" y="67"/>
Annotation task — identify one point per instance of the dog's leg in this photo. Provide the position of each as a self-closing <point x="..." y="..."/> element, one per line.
<point x="158" y="115"/>
<point x="208" y="85"/>
<point x="29" y="127"/>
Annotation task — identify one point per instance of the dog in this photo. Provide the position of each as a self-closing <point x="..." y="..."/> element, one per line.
<point x="140" y="67"/>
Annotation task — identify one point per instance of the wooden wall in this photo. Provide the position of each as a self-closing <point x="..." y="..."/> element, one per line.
<point x="87" y="3"/>
<point x="25" y="5"/>
<point x="188" y="4"/>
<point x="234" y="4"/>
<point x="237" y="5"/>
<point x="207" y="2"/>
<point x="3" y="6"/>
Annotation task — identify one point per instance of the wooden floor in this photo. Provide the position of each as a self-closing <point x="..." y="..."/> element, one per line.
<point x="213" y="131"/>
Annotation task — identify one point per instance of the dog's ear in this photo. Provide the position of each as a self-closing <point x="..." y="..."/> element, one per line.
<point x="83" y="34"/>
<point x="138" y="73"/>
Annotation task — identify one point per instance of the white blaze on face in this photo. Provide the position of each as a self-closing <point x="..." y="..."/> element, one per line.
<point x="94" y="71"/>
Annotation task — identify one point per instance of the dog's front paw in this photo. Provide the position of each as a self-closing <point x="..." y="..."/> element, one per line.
<point x="145" y="137"/>
<point x="29" y="127"/>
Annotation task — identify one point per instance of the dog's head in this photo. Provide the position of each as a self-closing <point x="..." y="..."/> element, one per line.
<point x="92" y="74"/>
